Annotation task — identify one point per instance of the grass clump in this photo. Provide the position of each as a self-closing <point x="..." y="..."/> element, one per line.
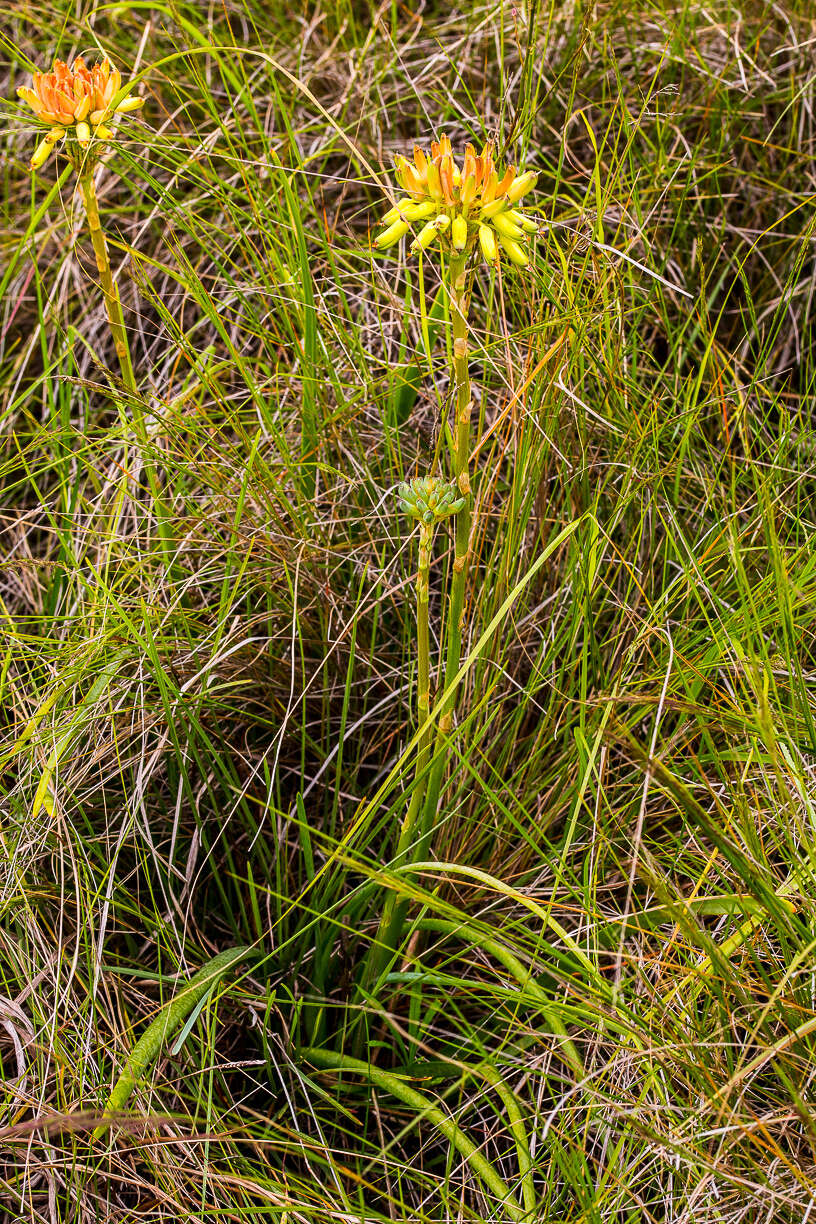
<point x="598" y="1005"/>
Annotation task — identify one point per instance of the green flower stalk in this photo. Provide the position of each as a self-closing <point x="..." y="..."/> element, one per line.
<point x="461" y="211"/>
<point x="428" y="499"/>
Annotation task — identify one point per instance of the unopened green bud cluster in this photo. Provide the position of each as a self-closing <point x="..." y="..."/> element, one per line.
<point x="429" y="499"/>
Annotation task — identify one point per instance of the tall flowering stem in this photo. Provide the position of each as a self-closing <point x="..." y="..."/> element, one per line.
<point x="461" y="474"/>
<point x="77" y="107"/>
<point x="460" y="211"/>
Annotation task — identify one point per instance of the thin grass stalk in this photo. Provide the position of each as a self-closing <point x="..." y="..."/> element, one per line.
<point x="116" y="321"/>
<point x="530" y="988"/>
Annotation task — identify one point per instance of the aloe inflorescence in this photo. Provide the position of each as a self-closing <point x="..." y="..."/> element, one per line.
<point x="76" y="104"/>
<point x="460" y="211"/>
<point x="460" y="206"/>
<point x="77" y="107"/>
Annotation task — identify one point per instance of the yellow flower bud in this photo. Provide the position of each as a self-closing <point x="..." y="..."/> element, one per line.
<point x="392" y="234"/>
<point x="419" y="211"/>
<point x="488" y="243"/>
<point x="398" y="211"/>
<point x="494" y="207"/>
<point x="102" y="133"/>
<point x="506" y="227"/>
<point x="83" y="134"/>
<point x="133" y="103"/>
<point x="425" y="237"/>
<point x="430" y="231"/>
<point x="526" y="223"/>
<point x="42" y="152"/>
<point x="459" y="232"/>
<point x="524" y="183"/>
<point x="516" y="253"/>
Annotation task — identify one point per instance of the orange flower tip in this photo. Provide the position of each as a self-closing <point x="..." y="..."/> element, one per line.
<point x="467" y="192"/>
<point x="506" y="180"/>
<point x="133" y="103"/>
<point x="434" y="181"/>
<point x="446" y="177"/>
<point x="489" y="189"/>
<point x="82" y="109"/>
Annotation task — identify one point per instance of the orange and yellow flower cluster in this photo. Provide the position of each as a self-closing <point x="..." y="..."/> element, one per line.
<point x="460" y="205"/>
<point x="75" y="99"/>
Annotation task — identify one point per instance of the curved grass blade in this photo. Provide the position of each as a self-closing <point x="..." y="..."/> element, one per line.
<point x="171" y="1017"/>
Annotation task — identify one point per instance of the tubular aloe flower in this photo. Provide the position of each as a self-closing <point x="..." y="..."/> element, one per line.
<point x="75" y="101"/>
<point x="461" y="206"/>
